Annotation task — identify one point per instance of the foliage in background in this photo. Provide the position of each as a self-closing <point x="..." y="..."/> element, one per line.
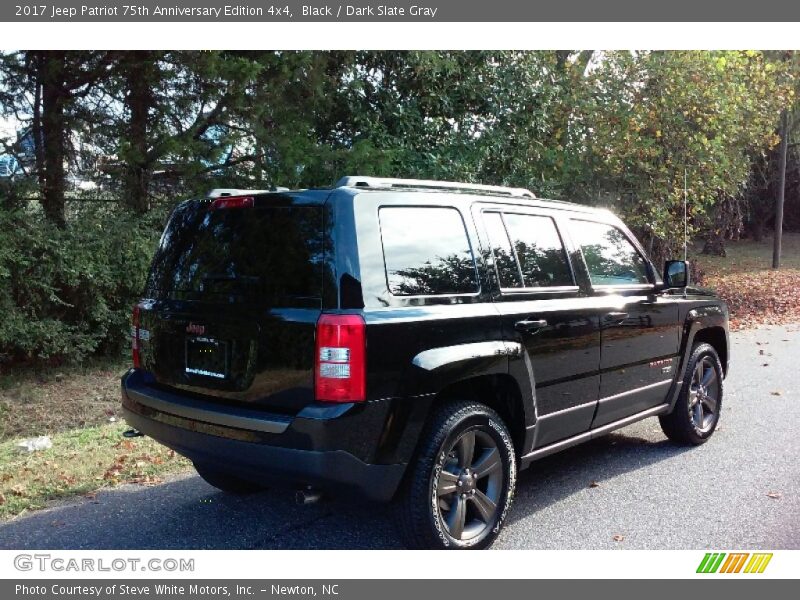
<point x="648" y="119"/>
<point x="755" y="293"/>
<point x="148" y="128"/>
<point x="67" y="292"/>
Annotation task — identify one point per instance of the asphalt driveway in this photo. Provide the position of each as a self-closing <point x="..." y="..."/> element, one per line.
<point x="740" y="490"/>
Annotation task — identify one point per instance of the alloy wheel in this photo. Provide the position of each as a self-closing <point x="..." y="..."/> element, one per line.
<point x="470" y="485"/>
<point x="704" y="393"/>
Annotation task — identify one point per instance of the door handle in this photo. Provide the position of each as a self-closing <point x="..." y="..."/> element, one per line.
<point x="615" y="318"/>
<point x="530" y="326"/>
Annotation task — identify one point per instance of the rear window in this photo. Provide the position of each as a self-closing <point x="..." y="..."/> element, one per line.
<point x="540" y="253"/>
<point x="427" y="251"/>
<point x="527" y="250"/>
<point x="504" y="260"/>
<point x="265" y="254"/>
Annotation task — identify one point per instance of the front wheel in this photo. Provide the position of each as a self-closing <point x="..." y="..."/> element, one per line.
<point x="460" y="488"/>
<point x="697" y="410"/>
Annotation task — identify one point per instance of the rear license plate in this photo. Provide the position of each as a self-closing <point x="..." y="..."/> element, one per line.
<point x="207" y="357"/>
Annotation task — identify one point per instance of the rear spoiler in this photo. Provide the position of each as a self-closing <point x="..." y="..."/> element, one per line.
<point x="224" y="192"/>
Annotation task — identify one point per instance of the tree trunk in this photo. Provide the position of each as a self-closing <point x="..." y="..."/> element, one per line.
<point x="36" y="132"/>
<point x="9" y="195"/>
<point x="53" y="136"/>
<point x="138" y="170"/>
<point x="757" y="229"/>
<point x="715" y="245"/>
<point x="776" y="248"/>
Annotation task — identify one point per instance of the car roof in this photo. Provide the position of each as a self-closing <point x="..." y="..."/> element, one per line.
<point x="456" y="190"/>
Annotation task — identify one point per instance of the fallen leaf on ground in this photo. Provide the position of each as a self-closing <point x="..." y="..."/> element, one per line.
<point x="19" y="490"/>
<point x="68" y="479"/>
<point x="760" y="297"/>
<point x="594" y="484"/>
<point x="112" y="474"/>
<point x="618" y="538"/>
<point x="777" y="393"/>
<point x="148" y="480"/>
<point x="774" y="495"/>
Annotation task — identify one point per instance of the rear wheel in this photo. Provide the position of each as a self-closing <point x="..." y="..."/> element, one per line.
<point x="697" y="410"/>
<point x="460" y="488"/>
<point x="226" y="482"/>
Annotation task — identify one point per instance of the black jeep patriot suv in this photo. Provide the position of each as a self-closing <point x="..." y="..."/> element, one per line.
<point x="412" y="340"/>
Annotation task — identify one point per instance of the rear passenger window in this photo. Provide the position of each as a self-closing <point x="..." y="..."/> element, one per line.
<point x="610" y="256"/>
<point x="504" y="261"/>
<point x="538" y="250"/>
<point x="426" y="251"/>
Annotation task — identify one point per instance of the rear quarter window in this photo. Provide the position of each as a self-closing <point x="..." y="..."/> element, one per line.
<point x="426" y="251"/>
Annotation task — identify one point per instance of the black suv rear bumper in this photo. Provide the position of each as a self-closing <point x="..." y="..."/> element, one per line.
<point x="236" y="441"/>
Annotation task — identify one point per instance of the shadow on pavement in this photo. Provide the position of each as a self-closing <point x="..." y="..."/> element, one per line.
<point x="189" y="514"/>
<point x="556" y="477"/>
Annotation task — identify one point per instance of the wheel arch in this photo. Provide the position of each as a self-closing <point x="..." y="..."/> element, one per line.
<point x="716" y="337"/>
<point x="500" y="392"/>
<point x="704" y="324"/>
<point x="494" y="373"/>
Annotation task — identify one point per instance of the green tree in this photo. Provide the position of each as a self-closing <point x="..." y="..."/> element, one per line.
<point x="645" y="118"/>
<point x="44" y="91"/>
<point x="473" y="116"/>
<point x="179" y="113"/>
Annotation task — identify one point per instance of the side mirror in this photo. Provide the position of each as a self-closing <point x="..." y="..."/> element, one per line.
<point x="676" y="274"/>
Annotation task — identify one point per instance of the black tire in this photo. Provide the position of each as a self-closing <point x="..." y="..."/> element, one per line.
<point x="426" y="507"/>
<point x="688" y="423"/>
<point x="226" y="482"/>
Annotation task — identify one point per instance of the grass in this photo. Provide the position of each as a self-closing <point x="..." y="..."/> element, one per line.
<point x="81" y="461"/>
<point x="46" y="400"/>
<point x="756" y="293"/>
<point x="78" y="407"/>
<point x="748" y="256"/>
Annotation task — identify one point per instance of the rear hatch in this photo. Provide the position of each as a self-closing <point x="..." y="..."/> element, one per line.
<point x="233" y="296"/>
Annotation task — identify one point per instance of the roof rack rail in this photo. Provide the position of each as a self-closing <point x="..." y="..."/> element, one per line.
<point x="225" y="192"/>
<point x="430" y="184"/>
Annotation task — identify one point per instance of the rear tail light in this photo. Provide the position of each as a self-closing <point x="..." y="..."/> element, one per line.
<point x="340" y="361"/>
<point x="135" y="341"/>
<point x="233" y="202"/>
